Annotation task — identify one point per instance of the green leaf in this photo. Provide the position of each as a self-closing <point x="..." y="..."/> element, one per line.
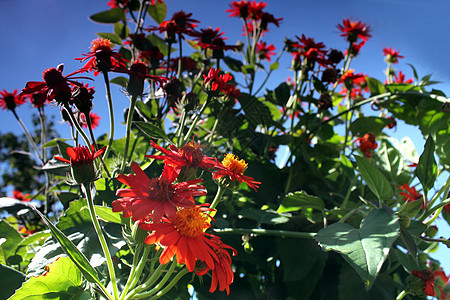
<point x="72" y="251"/>
<point x="144" y="110"/>
<point x="114" y="38"/>
<point x="152" y="130"/>
<point x="63" y="280"/>
<point x="119" y="80"/>
<point x="106" y="214"/>
<point x="427" y="168"/>
<point x="158" y="11"/>
<point x="11" y="281"/>
<point x="121" y="30"/>
<point x="392" y="163"/>
<point x="318" y="85"/>
<point x="256" y="112"/>
<point x="158" y="42"/>
<point x="263" y="216"/>
<point x="233" y="64"/>
<point x="282" y="93"/>
<point x="54" y="142"/>
<point x="13" y="238"/>
<point x="376" y="181"/>
<point x="299" y="200"/>
<point x="109" y="16"/>
<point x="274" y="66"/>
<point x="365" y="125"/>
<point x="375" y="86"/>
<point x="365" y="249"/>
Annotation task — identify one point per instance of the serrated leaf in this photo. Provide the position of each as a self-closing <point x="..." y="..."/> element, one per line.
<point x="114" y="38"/>
<point x="299" y="200"/>
<point x="109" y="16"/>
<point x="392" y="163"/>
<point x="152" y="130"/>
<point x="376" y="181"/>
<point x="427" y="168"/>
<point x="366" y="248"/>
<point x="158" y="11"/>
<point x="63" y="280"/>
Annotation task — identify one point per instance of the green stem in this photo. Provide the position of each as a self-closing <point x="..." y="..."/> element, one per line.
<point x="76" y="124"/>
<point x="349" y="191"/>
<point x="269" y="73"/>
<point x="29" y="137"/>
<point x="180" y="60"/>
<point x="158" y="288"/>
<point x="401" y="295"/>
<point x="129" y="121"/>
<point x="91" y="133"/>
<point x="171" y="284"/>
<point x="144" y="286"/>
<point x="282" y="233"/>
<point x="136" y="271"/>
<point x="180" y="127"/>
<point x="111" y="115"/>
<point x="219" y="194"/>
<point x="434" y="209"/>
<point x="194" y="123"/>
<point x="101" y="237"/>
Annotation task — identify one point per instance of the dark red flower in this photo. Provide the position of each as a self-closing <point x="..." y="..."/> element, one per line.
<point x="117" y="3"/>
<point x="350" y="79"/>
<point x="155" y="197"/>
<point x="183" y="235"/>
<point x="19" y="196"/>
<point x="441" y="280"/>
<point x="355" y="48"/>
<point x="400" y="78"/>
<point x="391" y="55"/>
<point x="255" y="9"/>
<point x="239" y="9"/>
<point x="181" y="23"/>
<point x="366" y="144"/>
<point x="314" y="52"/>
<point x="412" y="194"/>
<point x="354" y="30"/>
<point x="216" y="82"/>
<point x="428" y="279"/>
<point x="54" y="87"/>
<point x="11" y="100"/>
<point x="222" y="273"/>
<point x="212" y="39"/>
<point x="267" y="18"/>
<point x="95" y="120"/>
<point x="152" y="56"/>
<point x="102" y="58"/>
<point x="138" y="72"/>
<point x="393" y="123"/>
<point x="265" y="51"/>
<point x="82" y="98"/>
<point x="233" y="168"/>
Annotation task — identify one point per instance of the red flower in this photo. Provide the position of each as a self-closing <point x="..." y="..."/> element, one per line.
<point x="102" y="57"/>
<point x="441" y="281"/>
<point x="138" y="73"/>
<point x="250" y="30"/>
<point x="311" y="50"/>
<point x="352" y="80"/>
<point x="354" y="30"/>
<point x="183" y="235"/>
<point x="180" y="24"/>
<point x="95" y="120"/>
<point x="447" y="208"/>
<point x="212" y="39"/>
<point x="233" y="169"/>
<point x="82" y="163"/>
<point x="54" y="87"/>
<point x="19" y="196"/>
<point x="190" y="155"/>
<point x="117" y="3"/>
<point x="267" y="18"/>
<point x="393" y="122"/>
<point x="239" y="9"/>
<point x="156" y="197"/>
<point x="400" y="78"/>
<point x="392" y="55"/>
<point x="265" y="51"/>
<point x="367" y="143"/>
<point x="215" y="81"/>
<point x="222" y="272"/>
<point x="412" y="194"/>
<point x="355" y="48"/>
<point x="11" y="100"/>
<point x="428" y="279"/>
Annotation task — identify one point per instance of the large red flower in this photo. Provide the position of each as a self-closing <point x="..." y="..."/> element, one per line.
<point x="155" y="197"/>
<point x="239" y="9"/>
<point x="354" y="30"/>
<point x="311" y="50"/>
<point x="11" y="100"/>
<point x="222" y="273"/>
<point x="233" y="169"/>
<point x="217" y="82"/>
<point x="183" y="235"/>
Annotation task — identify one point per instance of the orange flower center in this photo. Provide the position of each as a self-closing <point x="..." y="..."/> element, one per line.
<point x="233" y="164"/>
<point x="160" y="190"/>
<point x="193" y="152"/>
<point x="100" y="44"/>
<point x="190" y="222"/>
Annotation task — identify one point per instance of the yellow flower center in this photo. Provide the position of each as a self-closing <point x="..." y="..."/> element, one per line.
<point x="100" y="44"/>
<point x="233" y="164"/>
<point x="190" y="222"/>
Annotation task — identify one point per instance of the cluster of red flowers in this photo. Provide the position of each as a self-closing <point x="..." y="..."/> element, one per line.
<point x="168" y="209"/>
<point x="217" y="84"/>
<point x="251" y="12"/>
<point x="366" y="144"/>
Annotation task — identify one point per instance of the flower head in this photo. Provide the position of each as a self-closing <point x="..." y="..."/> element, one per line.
<point x="231" y="170"/>
<point x="181" y="23"/>
<point x="155" y="197"/>
<point x="412" y="194"/>
<point x="391" y="55"/>
<point x="19" y="196"/>
<point x="82" y="163"/>
<point x="265" y="51"/>
<point x="354" y="30"/>
<point x="400" y="78"/>
<point x="82" y="98"/>
<point x="428" y="279"/>
<point x="215" y="82"/>
<point x="366" y="144"/>
<point x="312" y="51"/>
<point x="11" y="100"/>
<point x="184" y="235"/>
<point x="239" y="9"/>
<point x="94" y="118"/>
<point x="138" y="72"/>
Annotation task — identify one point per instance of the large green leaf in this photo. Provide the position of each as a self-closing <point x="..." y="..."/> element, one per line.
<point x="392" y="163"/>
<point x="366" y="248"/>
<point x="376" y="87"/>
<point x="365" y="125"/>
<point x="109" y="16"/>
<point x="298" y="200"/>
<point x="11" y="281"/>
<point x="12" y="239"/>
<point x="158" y="11"/>
<point x="152" y="130"/>
<point x="374" y="179"/>
<point x="427" y="168"/>
<point x="63" y="280"/>
<point x="110" y="36"/>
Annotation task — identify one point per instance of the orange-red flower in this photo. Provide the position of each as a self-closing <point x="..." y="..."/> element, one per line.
<point x="19" y="196"/>
<point x="265" y="51"/>
<point x="181" y="23"/>
<point x="155" y="197"/>
<point x="412" y="194"/>
<point x="11" y="100"/>
<point x="183" y="235"/>
<point x="239" y="9"/>
<point x="428" y="279"/>
<point x="400" y="78"/>
<point x="441" y="280"/>
<point x="366" y="144"/>
<point x="217" y="82"/>
<point x="392" y="55"/>
<point x="354" y="30"/>
<point x="222" y="273"/>
<point x="102" y="57"/>
<point x="233" y="168"/>
<point x="95" y="120"/>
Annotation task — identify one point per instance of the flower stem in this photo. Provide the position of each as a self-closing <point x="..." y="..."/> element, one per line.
<point x="29" y="137"/>
<point x="136" y="271"/>
<point x="282" y="233"/>
<point x="144" y="286"/>
<point x="194" y="123"/>
<point x="111" y="115"/>
<point x="91" y="133"/>
<point x="401" y="295"/>
<point x="218" y="196"/>
<point x="76" y="124"/>
<point x="129" y="121"/>
<point x="180" y="127"/>
<point x="158" y="288"/>
<point x="171" y="284"/>
<point x="101" y="237"/>
<point x="349" y="191"/>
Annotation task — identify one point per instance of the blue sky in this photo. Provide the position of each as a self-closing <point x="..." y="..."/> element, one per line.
<point x="40" y="34"/>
